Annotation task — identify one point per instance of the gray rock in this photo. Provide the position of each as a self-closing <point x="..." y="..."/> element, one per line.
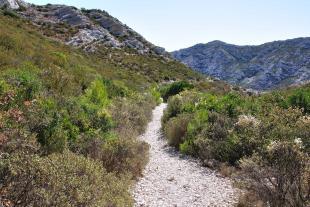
<point x="71" y="16"/>
<point x="13" y="4"/>
<point x="92" y="28"/>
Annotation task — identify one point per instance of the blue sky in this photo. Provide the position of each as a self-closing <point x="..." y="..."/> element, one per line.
<point x="176" y="24"/>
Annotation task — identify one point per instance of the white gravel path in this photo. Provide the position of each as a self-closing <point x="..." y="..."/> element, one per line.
<point x="172" y="180"/>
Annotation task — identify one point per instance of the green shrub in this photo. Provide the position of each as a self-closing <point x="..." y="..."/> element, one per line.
<point x="125" y="156"/>
<point x="174" y="88"/>
<point x="281" y="123"/>
<point x="51" y="134"/>
<point x="4" y="87"/>
<point x="213" y="140"/>
<point x="77" y="115"/>
<point x="131" y="116"/>
<point x="60" y="58"/>
<point x="173" y="109"/>
<point x="156" y="94"/>
<point x="116" y="89"/>
<point x="176" y="128"/>
<point x="247" y="138"/>
<point x="232" y="103"/>
<point x="188" y="147"/>
<point x="25" y="82"/>
<point x="95" y="102"/>
<point x="119" y="155"/>
<point x="301" y="99"/>
<point x="95" y="97"/>
<point x="61" y="180"/>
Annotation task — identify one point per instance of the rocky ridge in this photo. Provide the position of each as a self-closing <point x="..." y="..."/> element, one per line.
<point x="264" y="67"/>
<point x="87" y="29"/>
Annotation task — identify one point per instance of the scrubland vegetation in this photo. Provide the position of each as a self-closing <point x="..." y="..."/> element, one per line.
<point x="265" y="136"/>
<point x="69" y="123"/>
<point x="69" y="120"/>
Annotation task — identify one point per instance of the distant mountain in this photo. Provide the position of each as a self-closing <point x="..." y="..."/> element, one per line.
<point x="264" y="67"/>
<point x="88" y="29"/>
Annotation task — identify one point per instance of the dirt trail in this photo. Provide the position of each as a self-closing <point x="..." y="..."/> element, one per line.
<point x="172" y="180"/>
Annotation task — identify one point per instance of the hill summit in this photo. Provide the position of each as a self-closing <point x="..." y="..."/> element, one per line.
<point x="87" y="29"/>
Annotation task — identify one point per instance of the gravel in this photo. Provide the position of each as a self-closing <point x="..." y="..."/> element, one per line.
<point x="171" y="179"/>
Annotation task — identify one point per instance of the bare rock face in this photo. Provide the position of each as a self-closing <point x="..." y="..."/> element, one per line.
<point x="264" y="67"/>
<point x="70" y="15"/>
<point x="13" y="4"/>
<point x="87" y="29"/>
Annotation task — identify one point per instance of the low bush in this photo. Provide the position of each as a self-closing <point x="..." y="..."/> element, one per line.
<point x="301" y="99"/>
<point x="132" y="115"/>
<point x="156" y="94"/>
<point x="175" y="130"/>
<point x="125" y="156"/>
<point x="24" y="82"/>
<point x="116" y="89"/>
<point x="174" y="88"/>
<point x="213" y="141"/>
<point x="59" y="58"/>
<point x="60" y="180"/>
<point x="173" y="109"/>
<point x="18" y="139"/>
<point x="119" y="155"/>
<point x="280" y="175"/>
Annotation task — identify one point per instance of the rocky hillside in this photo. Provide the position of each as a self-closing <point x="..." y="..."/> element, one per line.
<point x="264" y="67"/>
<point x="88" y="29"/>
<point x="13" y="4"/>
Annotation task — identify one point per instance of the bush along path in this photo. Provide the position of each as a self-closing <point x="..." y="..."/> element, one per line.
<point x="172" y="180"/>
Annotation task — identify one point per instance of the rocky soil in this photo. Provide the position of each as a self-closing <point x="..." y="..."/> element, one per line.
<point x="172" y="180"/>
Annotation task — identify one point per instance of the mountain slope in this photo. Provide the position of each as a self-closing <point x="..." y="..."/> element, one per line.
<point x="264" y="67"/>
<point x="65" y="112"/>
<point x="88" y="29"/>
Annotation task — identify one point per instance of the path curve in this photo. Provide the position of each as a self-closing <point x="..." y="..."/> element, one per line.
<point x="172" y="181"/>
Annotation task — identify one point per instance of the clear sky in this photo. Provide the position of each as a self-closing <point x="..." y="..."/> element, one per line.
<point x="176" y="24"/>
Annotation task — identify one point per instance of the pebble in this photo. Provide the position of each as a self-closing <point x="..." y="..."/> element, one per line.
<point x="196" y="186"/>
